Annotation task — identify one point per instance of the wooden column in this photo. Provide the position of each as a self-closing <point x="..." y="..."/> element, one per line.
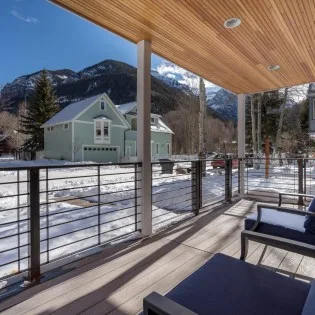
<point x="144" y="134"/>
<point x="241" y="139"/>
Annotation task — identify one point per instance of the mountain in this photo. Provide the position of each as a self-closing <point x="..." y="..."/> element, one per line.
<point x="224" y="105"/>
<point x="221" y="103"/>
<point x="117" y="79"/>
<point x="181" y="78"/>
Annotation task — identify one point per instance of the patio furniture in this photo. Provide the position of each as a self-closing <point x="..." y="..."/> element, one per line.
<point x="225" y="285"/>
<point x="280" y="227"/>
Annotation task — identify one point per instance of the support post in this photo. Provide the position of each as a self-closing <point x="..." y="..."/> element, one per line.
<point x="228" y="180"/>
<point x="196" y="188"/>
<point x="144" y="133"/>
<point x="241" y="140"/>
<point x="34" y="270"/>
<point x="300" y="181"/>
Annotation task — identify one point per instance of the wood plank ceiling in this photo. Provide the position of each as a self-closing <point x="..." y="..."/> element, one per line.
<point x="191" y="34"/>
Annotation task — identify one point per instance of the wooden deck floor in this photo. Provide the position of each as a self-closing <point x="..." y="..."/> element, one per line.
<point x="115" y="280"/>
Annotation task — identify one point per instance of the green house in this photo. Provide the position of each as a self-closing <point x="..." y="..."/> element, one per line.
<point x="96" y="130"/>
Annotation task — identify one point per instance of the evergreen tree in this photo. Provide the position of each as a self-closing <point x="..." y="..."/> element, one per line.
<point x="39" y="109"/>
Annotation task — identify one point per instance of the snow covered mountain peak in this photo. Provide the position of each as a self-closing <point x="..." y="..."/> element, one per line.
<point x="182" y="76"/>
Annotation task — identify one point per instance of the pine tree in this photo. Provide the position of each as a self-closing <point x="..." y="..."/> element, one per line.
<point x="39" y="109"/>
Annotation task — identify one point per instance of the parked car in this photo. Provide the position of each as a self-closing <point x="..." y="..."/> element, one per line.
<point x="219" y="161"/>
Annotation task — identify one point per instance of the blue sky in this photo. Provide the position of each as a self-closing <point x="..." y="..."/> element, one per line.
<point x="36" y="34"/>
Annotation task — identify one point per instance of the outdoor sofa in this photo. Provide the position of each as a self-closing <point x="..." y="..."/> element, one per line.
<point x="228" y="286"/>
<point x="286" y="228"/>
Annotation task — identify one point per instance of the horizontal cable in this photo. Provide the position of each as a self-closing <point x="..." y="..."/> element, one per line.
<point x="168" y="191"/>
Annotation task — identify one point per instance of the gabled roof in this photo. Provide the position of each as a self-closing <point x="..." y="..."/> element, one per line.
<point x="71" y="111"/>
<point x="160" y="126"/>
<point x="126" y="108"/>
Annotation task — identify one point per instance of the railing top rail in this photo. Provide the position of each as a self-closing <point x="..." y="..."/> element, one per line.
<point x="25" y="168"/>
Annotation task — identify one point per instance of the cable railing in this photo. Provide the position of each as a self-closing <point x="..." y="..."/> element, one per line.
<point x="14" y="222"/>
<point x="51" y="213"/>
<point x="264" y="179"/>
<point x="220" y="180"/>
<point x="173" y="192"/>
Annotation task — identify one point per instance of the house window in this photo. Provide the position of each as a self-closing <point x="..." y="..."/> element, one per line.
<point x="105" y="126"/>
<point x="48" y="129"/>
<point x="66" y="126"/>
<point x="152" y="120"/>
<point x="52" y="128"/>
<point x="103" y="105"/>
<point x="157" y="148"/>
<point x="102" y="131"/>
<point x="313" y="108"/>
<point x="168" y="148"/>
<point x="98" y="129"/>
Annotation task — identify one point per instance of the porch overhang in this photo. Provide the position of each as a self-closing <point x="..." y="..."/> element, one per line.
<point x="192" y="35"/>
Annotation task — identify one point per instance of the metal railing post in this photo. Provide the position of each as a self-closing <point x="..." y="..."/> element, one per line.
<point x="34" y="270"/>
<point x="99" y="204"/>
<point x="196" y="185"/>
<point x="300" y="180"/>
<point x="228" y="180"/>
<point x="136" y="195"/>
<point x="304" y="176"/>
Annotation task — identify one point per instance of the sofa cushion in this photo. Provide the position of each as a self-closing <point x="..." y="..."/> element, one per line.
<point x="280" y="231"/>
<point x="309" y="306"/>
<point x="309" y="223"/>
<point x="284" y="219"/>
<point x="226" y="285"/>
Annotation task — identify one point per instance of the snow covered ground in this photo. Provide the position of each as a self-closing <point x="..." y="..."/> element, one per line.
<point x="73" y="219"/>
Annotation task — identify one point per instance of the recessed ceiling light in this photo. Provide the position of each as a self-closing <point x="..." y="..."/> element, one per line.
<point x="273" y="67"/>
<point x="232" y="23"/>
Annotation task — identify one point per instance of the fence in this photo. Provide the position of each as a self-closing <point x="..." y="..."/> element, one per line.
<point x="50" y="215"/>
<point x="265" y="180"/>
<point x="55" y="212"/>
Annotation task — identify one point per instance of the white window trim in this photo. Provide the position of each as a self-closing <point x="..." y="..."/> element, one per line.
<point x="64" y="126"/>
<point x="313" y="109"/>
<point x="105" y="106"/>
<point x="102" y="139"/>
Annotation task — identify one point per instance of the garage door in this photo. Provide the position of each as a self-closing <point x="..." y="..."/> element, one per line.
<point x="101" y="154"/>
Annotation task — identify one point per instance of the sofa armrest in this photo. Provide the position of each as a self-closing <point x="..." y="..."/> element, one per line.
<point x="260" y="208"/>
<point x="156" y="304"/>
<point x="294" y="195"/>
<point x="284" y="243"/>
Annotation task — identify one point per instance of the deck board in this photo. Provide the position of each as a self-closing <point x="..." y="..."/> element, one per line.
<point x="115" y="281"/>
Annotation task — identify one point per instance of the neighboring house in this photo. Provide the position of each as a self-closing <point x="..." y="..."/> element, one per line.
<point x="96" y="130"/>
<point x="311" y="108"/>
